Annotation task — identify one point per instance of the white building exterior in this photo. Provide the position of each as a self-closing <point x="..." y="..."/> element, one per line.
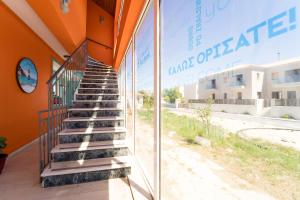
<point x="280" y="80"/>
<point x="269" y="90"/>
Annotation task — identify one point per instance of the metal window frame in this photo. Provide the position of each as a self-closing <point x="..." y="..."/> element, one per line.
<point x="156" y="191"/>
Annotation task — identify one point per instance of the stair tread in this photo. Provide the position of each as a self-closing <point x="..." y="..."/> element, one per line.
<point x="95" y="109"/>
<point x="86" y="146"/>
<point x="83" y="168"/>
<point x="96" y="94"/>
<point x="89" y="163"/>
<point x="93" y="68"/>
<point x="99" y="79"/>
<point x="96" y="101"/>
<point x="80" y="131"/>
<point x="97" y="88"/>
<point x="99" y="83"/>
<point x="104" y="118"/>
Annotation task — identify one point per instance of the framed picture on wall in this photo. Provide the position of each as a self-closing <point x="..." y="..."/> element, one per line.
<point x="27" y="76"/>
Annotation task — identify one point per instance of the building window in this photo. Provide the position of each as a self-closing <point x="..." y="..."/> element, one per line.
<point x="213" y="96"/>
<point x="292" y="75"/>
<point x="257" y="76"/>
<point x="239" y="79"/>
<point x="213" y="84"/>
<point x="55" y="66"/>
<point x="239" y="95"/>
<point x="225" y="95"/>
<point x="276" y="95"/>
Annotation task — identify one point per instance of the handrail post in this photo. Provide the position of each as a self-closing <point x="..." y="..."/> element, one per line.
<point x="64" y="82"/>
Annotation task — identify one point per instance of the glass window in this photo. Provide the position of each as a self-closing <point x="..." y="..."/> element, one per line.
<point x="144" y="63"/>
<point x="129" y="98"/>
<point x="55" y="65"/>
<point x="211" y="145"/>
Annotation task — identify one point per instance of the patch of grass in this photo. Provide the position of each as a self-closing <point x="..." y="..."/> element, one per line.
<point x="287" y="116"/>
<point x="146" y="115"/>
<point x="277" y="158"/>
<point x="187" y="128"/>
<point x="273" y="163"/>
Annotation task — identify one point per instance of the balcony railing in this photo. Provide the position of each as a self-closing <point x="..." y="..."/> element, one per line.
<point x="286" y="102"/>
<point x="61" y="89"/>
<point x="287" y="80"/>
<point x="240" y="83"/>
<point x="211" y="86"/>
<point x="226" y="101"/>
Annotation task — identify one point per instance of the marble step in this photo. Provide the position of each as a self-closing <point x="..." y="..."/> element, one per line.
<point x="88" y="150"/>
<point x="94" y="134"/>
<point x="99" y="70"/>
<point x="108" y="74"/>
<point x="97" y="90"/>
<point x="89" y="163"/>
<point x="96" y="81"/>
<point x="96" y="96"/>
<point x="93" y="61"/>
<point x="96" y="103"/>
<point x="98" y="77"/>
<point x="98" y="85"/>
<point x="95" y="112"/>
<point x="87" y="145"/>
<point x="98" y="66"/>
<point x="87" y="171"/>
<point x="97" y="122"/>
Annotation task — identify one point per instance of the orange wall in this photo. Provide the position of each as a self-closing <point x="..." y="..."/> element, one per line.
<point x="18" y="110"/>
<point x="131" y="12"/>
<point x="100" y="32"/>
<point x="69" y="28"/>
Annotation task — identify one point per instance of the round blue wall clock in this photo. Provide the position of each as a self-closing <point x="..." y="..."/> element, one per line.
<point x="27" y="76"/>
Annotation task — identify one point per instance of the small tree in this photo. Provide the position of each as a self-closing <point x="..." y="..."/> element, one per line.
<point x="205" y="115"/>
<point x="170" y="95"/>
<point x="147" y="99"/>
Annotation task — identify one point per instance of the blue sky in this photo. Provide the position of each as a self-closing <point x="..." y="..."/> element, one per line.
<point x="216" y="21"/>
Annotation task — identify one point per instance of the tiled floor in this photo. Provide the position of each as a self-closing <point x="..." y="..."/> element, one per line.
<point x="20" y="181"/>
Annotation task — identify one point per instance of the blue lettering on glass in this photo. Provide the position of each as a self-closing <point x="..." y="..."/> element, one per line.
<point x="217" y="54"/>
<point x="191" y="38"/>
<point x="255" y="30"/>
<point x="243" y="42"/>
<point x="275" y="26"/>
<point x="144" y="57"/>
<point x="226" y="44"/>
<point x="292" y="18"/>
<point x="198" y="22"/>
<point x="214" y="6"/>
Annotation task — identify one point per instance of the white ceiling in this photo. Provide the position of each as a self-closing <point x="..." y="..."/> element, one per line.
<point x="23" y="10"/>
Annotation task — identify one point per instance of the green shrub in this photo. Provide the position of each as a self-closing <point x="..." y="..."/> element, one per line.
<point x="287" y="116"/>
<point x="2" y="143"/>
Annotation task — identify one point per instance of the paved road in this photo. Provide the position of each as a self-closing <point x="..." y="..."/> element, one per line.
<point x="282" y="131"/>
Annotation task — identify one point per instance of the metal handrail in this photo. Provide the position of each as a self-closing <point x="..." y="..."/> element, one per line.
<point x="84" y="43"/>
<point x="62" y="87"/>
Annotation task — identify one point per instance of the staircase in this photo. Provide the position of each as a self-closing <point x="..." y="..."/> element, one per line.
<point x="91" y="145"/>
